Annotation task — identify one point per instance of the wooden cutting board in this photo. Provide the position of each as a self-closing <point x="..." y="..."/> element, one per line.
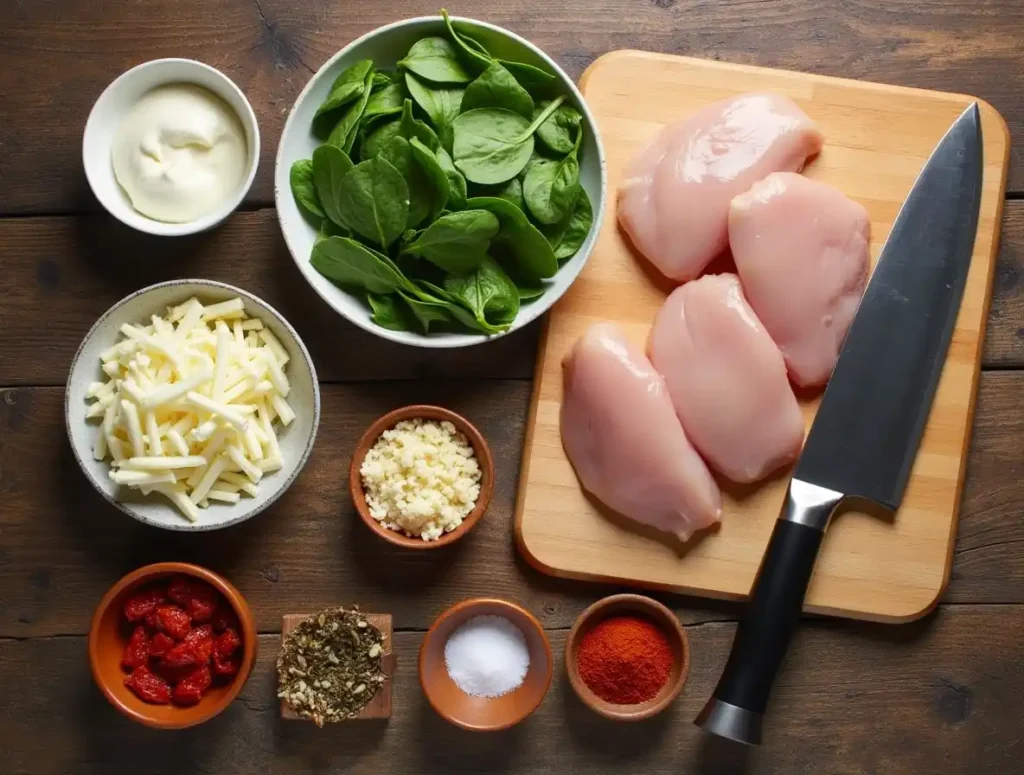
<point x="877" y="139"/>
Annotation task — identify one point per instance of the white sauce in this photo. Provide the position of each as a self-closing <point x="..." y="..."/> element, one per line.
<point x="180" y="153"/>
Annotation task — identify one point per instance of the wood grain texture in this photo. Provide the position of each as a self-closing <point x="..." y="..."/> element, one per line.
<point x="942" y="695"/>
<point x="59" y="55"/>
<point x="877" y="140"/>
<point x="62" y="546"/>
<point x="379" y="707"/>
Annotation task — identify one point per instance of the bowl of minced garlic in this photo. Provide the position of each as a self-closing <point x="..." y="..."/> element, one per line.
<point x="421" y="476"/>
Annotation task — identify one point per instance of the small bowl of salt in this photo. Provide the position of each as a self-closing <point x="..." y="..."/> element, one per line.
<point x="485" y="664"/>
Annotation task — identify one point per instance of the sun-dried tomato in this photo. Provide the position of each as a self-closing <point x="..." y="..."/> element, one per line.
<point x="173" y="674"/>
<point x="142" y="603"/>
<point x="174" y="621"/>
<point x="160" y="645"/>
<point x="199" y="676"/>
<point x="225" y="665"/>
<point x="227" y="643"/>
<point x="137" y="651"/>
<point x="179" y="590"/>
<point x="202" y="602"/>
<point x="148" y="687"/>
<point x="182" y="654"/>
<point x="186" y="693"/>
<point x="152" y="621"/>
<point x="224" y="617"/>
<point x="201" y="638"/>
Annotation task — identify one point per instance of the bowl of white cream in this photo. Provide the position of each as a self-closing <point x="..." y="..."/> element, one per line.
<point x="171" y="147"/>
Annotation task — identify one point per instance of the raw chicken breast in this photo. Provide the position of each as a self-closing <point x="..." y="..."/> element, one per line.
<point x="622" y="437"/>
<point x="674" y="201"/>
<point x="726" y="379"/>
<point x="801" y="249"/>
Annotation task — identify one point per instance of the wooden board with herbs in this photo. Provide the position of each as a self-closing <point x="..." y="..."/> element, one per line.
<point x="939" y="695"/>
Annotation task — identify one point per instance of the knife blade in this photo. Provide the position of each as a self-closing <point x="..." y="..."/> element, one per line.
<point x="866" y="432"/>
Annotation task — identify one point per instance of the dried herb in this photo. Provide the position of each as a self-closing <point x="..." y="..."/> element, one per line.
<point x="330" y="665"/>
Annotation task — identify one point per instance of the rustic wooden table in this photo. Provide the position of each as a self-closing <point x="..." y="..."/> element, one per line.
<point x="941" y="695"/>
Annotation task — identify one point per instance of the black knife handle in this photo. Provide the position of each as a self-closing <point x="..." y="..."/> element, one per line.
<point x="773" y="612"/>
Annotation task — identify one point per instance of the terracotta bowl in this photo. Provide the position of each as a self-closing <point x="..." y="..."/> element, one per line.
<point x="635" y="605"/>
<point x="389" y="421"/>
<point x="109" y="634"/>
<point x="480" y="714"/>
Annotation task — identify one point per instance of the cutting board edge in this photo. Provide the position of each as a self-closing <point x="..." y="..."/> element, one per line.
<point x="931" y="595"/>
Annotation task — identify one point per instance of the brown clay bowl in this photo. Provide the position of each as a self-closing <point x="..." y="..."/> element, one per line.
<point x="389" y="421"/>
<point x="634" y="605"/>
<point x="480" y="714"/>
<point x="109" y="634"/>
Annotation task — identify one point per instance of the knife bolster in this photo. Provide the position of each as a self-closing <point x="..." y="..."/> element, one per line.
<point x="810" y="505"/>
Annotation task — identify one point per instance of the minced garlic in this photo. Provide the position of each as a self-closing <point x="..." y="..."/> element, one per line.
<point x="421" y="477"/>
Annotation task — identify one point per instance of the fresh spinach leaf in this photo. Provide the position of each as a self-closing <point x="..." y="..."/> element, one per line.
<point x="561" y="131"/>
<point x="435" y="59"/>
<point x="567" y="237"/>
<point x="488" y="292"/>
<point x="386" y="102"/>
<point x="374" y="201"/>
<point x="496" y="88"/>
<point x="344" y="133"/>
<point x="348" y="86"/>
<point x="389" y="312"/>
<point x="432" y="169"/>
<point x="472" y="50"/>
<point x="456" y="182"/>
<point x="410" y="127"/>
<point x="383" y="78"/>
<point x="432" y="293"/>
<point x="377" y="139"/>
<point x="329" y="228"/>
<point x="493" y="145"/>
<point x="303" y="189"/>
<point x="441" y="103"/>
<point x="330" y="166"/>
<point x="351" y="264"/>
<point x="428" y="312"/>
<point x="529" y="293"/>
<point x="533" y="255"/>
<point x="551" y="187"/>
<point x="456" y="242"/>
<point x="422" y="197"/>
<point x="529" y="77"/>
<point x="512" y="191"/>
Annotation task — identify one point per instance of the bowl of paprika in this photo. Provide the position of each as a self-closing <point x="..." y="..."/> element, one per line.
<point x="627" y="657"/>
<point x="172" y="644"/>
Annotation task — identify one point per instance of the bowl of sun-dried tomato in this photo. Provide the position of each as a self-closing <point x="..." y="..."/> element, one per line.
<point x="172" y="644"/>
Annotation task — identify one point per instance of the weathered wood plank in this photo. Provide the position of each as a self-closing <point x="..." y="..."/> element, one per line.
<point x="62" y="273"/>
<point x="62" y="546"/>
<point x="59" y="55"/>
<point x="950" y="688"/>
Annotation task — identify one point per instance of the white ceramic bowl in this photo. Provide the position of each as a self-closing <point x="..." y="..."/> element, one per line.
<point x="385" y="46"/>
<point x="112" y="106"/>
<point x="296" y="440"/>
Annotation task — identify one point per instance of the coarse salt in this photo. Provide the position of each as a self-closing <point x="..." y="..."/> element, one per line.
<point x="487" y="656"/>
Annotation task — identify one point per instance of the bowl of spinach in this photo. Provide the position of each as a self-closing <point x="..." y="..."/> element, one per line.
<point x="440" y="182"/>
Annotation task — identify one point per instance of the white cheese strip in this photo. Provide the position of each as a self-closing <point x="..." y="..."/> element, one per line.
<point x="220" y="370"/>
<point x="284" y="411"/>
<point x="239" y="389"/>
<point x="99" y="447"/>
<point x="134" y="427"/>
<point x="241" y="482"/>
<point x="263" y="416"/>
<point x="193" y="315"/>
<point x="156" y="446"/>
<point x="203" y="432"/>
<point x="138" y="478"/>
<point x="276" y="374"/>
<point x="275" y="346"/>
<point x="216" y="407"/>
<point x="177" y="442"/>
<point x="252" y="444"/>
<point x="176" y="390"/>
<point x="177" y="495"/>
<point x="233" y="308"/>
<point x="224" y="496"/>
<point x="252" y="324"/>
<point x="212" y="473"/>
<point x="270" y="464"/>
<point x="253" y="472"/>
<point x="145" y="463"/>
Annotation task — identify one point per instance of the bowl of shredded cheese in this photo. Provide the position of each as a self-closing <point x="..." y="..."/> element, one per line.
<point x="421" y="476"/>
<point x="192" y="405"/>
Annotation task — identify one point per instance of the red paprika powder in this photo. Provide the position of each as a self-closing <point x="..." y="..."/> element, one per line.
<point x="625" y="660"/>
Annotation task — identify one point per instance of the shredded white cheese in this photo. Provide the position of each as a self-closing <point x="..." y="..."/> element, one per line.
<point x="421" y="477"/>
<point x="190" y="405"/>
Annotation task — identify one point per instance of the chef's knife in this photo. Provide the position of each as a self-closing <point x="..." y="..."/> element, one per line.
<point x="865" y="435"/>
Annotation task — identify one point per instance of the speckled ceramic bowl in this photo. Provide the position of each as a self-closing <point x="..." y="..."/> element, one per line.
<point x="296" y="440"/>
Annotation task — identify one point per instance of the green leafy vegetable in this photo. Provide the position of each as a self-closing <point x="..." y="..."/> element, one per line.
<point x="458" y="308"/>
<point x="532" y="253"/>
<point x="456" y="182"/>
<point x="344" y="133"/>
<point x="410" y="127"/>
<point x="531" y="292"/>
<point x="456" y="242"/>
<point x="441" y="103"/>
<point x="428" y="312"/>
<point x="567" y="237"/>
<point x="303" y="189"/>
<point x="348" y="86"/>
<point x="377" y="139"/>
<point x="329" y="228"/>
<point x="383" y="78"/>
<point x="330" y="166"/>
<point x="512" y="191"/>
<point x="386" y="102"/>
<point x="389" y="312"/>
<point x="496" y="88"/>
<point x="441" y="186"/>
<point x="351" y="264"/>
<point x="471" y="49"/>
<point x="488" y="293"/>
<point x="374" y="201"/>
<point x="551" y="187"/>
<point x="436" y="60"/>
<point x="493" y="145"/>
<point x="530" y="77"/>
<point x="422" y="198"/>
<point x="561" y="130"/>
